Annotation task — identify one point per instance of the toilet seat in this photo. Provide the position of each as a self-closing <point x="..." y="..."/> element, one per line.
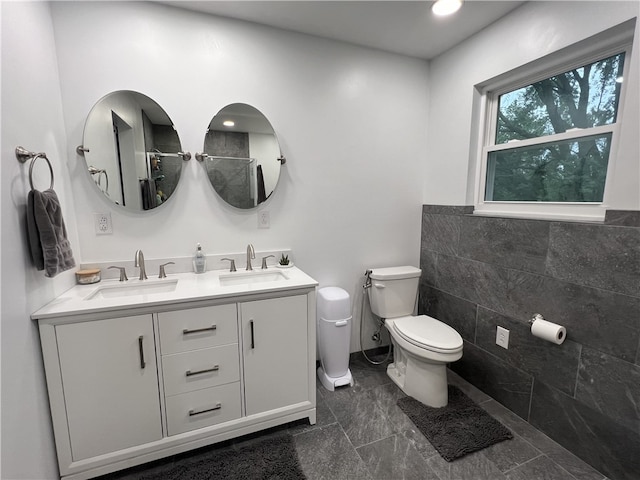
<point x="428" y="333"/>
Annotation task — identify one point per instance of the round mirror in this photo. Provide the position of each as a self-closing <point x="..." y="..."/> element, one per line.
<point x="242" y="156"/>
<point x="132" y="150"/>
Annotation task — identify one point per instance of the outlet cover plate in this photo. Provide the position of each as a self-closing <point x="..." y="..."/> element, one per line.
<point x="102" y="222"/>
<point x="502" y="337"/>
<point x="264" y="220"/>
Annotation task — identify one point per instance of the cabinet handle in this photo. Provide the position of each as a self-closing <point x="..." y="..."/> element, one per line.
<point x="253" y="343"/>
<point x="198" y="412"/>
<point x="186" y="331"/>
<point x="215" y="368"/>
<point x="141" y="349"/>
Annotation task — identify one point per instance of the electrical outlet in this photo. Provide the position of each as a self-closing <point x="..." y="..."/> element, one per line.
<point x="102" y="222"/>
<point x="263" y="219"/>
<point x="502" y="337"/>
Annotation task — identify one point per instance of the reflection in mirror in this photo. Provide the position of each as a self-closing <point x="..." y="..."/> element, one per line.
<point x="242" y="156"/>
<point x="132" y="150"/>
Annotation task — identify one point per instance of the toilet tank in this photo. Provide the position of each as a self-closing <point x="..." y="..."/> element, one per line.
<point x="394" y="291"/>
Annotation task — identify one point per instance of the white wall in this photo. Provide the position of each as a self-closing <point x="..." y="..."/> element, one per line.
<point x="351" y="123"/>
<point x="32" y="118"/>
<point x="528" y="33"/>
<point x="349" y="198"/>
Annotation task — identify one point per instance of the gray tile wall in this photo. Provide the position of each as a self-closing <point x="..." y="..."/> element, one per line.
<point x="230" y="178"/>
<point x="481" y="272"/>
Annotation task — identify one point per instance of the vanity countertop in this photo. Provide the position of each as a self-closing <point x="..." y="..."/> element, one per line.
<point x="188" y="287"/>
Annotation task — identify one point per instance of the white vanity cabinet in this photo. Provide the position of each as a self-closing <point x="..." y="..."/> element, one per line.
<point x="140" y="383"/>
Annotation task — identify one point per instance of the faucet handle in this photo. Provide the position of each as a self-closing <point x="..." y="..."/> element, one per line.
<point x="232" y="267"/>
<point x="264" y="261"/>
<point x="123" y="273"/>
<point x="162" y="273"/>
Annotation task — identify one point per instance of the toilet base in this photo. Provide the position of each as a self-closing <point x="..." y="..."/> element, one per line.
<point x="330" y="383"/>
<point x="395" y="375"/>
<point x="424" y="381"/>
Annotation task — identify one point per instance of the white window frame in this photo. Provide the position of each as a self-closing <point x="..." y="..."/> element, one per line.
<point x="616" y="40"/>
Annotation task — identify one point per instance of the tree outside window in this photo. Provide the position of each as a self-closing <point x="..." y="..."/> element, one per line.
<point x="551" y="139"/>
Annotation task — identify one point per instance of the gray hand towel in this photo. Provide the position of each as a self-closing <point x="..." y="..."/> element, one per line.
<point x="32" y="233"/>
<point x="50" y="248"/>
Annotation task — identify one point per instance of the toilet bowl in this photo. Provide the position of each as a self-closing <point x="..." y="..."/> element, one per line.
<point x="423" y="346"/>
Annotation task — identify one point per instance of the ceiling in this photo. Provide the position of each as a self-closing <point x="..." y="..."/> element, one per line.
<point x="404" y="27"/>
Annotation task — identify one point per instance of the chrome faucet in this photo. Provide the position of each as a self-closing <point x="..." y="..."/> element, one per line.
<point x="251" y="253"/>
<point x="138" y="261"/>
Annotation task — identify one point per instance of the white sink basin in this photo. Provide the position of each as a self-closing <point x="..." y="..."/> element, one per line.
<point x="249" y="278"/>
<point x="117" y="291"/>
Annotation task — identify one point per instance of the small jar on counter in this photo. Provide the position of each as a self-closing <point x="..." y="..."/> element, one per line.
<point x="88" y="276"/>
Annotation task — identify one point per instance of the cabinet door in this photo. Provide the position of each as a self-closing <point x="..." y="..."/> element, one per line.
<point x="275" y="353"/>
<point x="110" y="384"/>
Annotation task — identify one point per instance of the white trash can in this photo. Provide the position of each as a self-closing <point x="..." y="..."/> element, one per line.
<point x="334" y="336"/>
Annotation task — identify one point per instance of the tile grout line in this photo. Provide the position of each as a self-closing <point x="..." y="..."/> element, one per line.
<point x="575" y="385"/>
<point x="524" y="463"/>
<point x="355" y="450"/>
<point x="533" y="381"/>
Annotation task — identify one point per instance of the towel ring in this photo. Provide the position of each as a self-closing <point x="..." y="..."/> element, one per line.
<point x="33" y="161"/>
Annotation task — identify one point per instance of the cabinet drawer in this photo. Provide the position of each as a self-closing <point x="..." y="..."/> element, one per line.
<point x="203" y="408"/>
<point x="185" y="330"/>
<point x="188" y="371"/>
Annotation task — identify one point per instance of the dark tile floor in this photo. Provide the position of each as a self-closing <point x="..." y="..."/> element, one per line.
<point x="361" y="434"/>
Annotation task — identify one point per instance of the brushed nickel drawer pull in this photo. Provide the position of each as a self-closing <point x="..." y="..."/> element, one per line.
<point x="141" y="351"/>
<point x="215" y="368"/>
<point x="198" y="412"/>
<point x="186" y="331"/>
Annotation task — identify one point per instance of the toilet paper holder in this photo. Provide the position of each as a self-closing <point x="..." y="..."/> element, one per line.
<point x="546" y="330"/>
<point x="536" y="316"/>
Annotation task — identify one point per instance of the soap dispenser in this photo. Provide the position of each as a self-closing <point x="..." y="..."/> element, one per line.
<point x="199" y="261"/>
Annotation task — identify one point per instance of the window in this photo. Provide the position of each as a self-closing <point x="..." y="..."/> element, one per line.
<point x="548" y="140"/>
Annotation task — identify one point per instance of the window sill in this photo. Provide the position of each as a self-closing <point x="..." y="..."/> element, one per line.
<point x="585" y="213"/>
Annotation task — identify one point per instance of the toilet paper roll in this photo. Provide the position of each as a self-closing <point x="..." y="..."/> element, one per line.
<point x="549" y="331"/>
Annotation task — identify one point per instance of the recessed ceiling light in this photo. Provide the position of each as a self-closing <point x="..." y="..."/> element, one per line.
<point x="446" y="7"/>
<point x="228" y="123"/>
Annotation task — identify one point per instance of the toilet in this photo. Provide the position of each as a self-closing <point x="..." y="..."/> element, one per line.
<point x="423" y="346"/>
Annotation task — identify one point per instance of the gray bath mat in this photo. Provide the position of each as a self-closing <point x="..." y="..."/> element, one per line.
<point x="271" y="458"/>
<point x="460" y="428"/>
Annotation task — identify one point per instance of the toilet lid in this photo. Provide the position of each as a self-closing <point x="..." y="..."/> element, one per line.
<point x="428" y="333"/>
